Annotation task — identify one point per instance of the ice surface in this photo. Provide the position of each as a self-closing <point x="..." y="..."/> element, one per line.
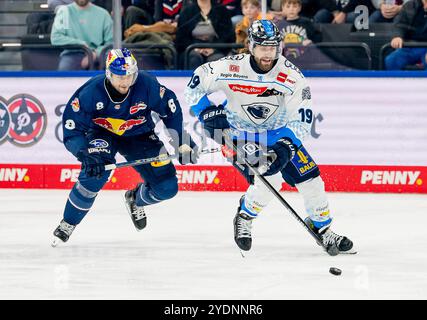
<point x="187" y="250"/>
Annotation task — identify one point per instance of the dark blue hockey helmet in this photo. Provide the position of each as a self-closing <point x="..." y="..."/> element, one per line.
<point x="121" y="62"/>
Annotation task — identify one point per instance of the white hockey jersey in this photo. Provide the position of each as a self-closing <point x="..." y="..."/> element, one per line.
<point x="255" y="102"/>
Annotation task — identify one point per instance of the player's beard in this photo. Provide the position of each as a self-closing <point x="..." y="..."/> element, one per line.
<point x="265" y="64"/>
<point x="82" y="3"/>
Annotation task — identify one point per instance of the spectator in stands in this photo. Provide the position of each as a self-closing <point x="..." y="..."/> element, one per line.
<point x="275" y="9"/>
<point x="40" y="22"/>
<point x="81" y="23"/>
<point x="106" y="4"/>
<point x="55" y="4"/>
<point x="331" y="11"/>
<point x="345" y="11"/>
<point x="386" y="10"/>
<point x="203" y="22"/>
<point x="234" y="9"/>
<point x="166" y="15"/>
<point x="140" y="12"/>
<point x="251" y="12"/>
<point x="295" y="29"/>
<point x="410" y="24"/>
<point x="320" y="11"/>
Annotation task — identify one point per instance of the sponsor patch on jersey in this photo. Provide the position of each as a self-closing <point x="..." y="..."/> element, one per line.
<point x="270" y="92"/>
<point x="290" y="81"/>
<point x="251" y="148"/>
<point x="139" y="107"/>
<point x="162" y="92"/>
<point x="98" y="146"/>
<point x="233" y="68"/>
<point x="75" y="104"/>
<point x="281" y="77"/>
<point x="118" y="126"/>
<point x="247" y="89"/>
<point x="258" y="113"/>
<point x="303" y="162"/>
<point x="99" y="143"/>
<point x="306" y="94"/>
<point x="236" y="57"/>
<point x="290" y="65"/>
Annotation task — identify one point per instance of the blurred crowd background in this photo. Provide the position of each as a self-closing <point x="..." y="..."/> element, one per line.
<point x="70" y="35"/>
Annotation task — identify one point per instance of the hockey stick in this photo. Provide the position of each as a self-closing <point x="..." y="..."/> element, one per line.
<point x="153" y="159"/>
<point x="331" y="250"/>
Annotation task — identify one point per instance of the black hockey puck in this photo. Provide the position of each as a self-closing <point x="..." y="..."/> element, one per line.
<point x="335" y="271"/>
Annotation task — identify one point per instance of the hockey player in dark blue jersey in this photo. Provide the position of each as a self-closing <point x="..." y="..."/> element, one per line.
<point x="112" y="113"/>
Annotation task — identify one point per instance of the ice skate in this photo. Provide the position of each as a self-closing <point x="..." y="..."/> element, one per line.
<point x="137" y="213"/>
<point x="330" y="238"/>
<point x="62" y="233"/>
<point x="242" y="229"/>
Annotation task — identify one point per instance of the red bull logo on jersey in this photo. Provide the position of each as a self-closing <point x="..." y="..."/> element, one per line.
<point x="385" y="177"/>
<point x="162" y="91"/>
<point x="247" y="89"/>
<point x="104" y="123"/>
<point x="118" y="126"/>
<point x="129" y="124"/>
<point x="75" y="105"/>
<point x="139" y="107"/>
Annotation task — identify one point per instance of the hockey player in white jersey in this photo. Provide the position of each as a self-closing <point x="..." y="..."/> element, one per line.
<point x="268" y="113"/>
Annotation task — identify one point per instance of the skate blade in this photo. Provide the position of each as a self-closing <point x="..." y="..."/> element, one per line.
<point x="242" y="253"/>
<point x="351" y="251"/>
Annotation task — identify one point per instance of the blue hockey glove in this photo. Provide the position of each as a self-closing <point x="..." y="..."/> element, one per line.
<point x="214" y="118"/>
<point x="279" y="155"/>
<point x="93" y="164"/>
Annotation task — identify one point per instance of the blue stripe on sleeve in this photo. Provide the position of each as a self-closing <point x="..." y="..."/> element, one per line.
<point x="202" y="105"/>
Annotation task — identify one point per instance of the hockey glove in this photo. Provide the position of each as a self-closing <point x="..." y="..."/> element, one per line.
<point x="93" y="164"/>
<point x="214" y="118"/>
<point x="279" y="155"/>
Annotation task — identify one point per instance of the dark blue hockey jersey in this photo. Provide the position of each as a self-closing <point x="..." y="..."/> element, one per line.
<point x="92" y="107"/>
